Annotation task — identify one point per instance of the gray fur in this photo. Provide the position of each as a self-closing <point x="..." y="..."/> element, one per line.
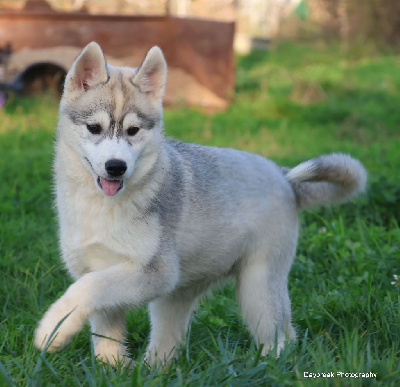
<point x="167" y="202"/>
<point x="327" y="179"/>
<point x="185" y="216"/>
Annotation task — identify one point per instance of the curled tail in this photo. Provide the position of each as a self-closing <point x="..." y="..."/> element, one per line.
<point x="326" y="180"/>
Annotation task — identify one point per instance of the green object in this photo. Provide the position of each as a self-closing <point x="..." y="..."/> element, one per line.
<point x="302" y="10"/>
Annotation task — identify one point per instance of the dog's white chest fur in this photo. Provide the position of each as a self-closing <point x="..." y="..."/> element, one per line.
<point x="97" y="233"/>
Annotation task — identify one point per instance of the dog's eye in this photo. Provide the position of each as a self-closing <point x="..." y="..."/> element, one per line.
<point x="132" y="130"/>
<point x="94" y="128"/>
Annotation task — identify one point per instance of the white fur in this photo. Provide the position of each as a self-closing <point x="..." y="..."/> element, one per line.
<point x="301" y="172"/>
<point x="186" y="217"/>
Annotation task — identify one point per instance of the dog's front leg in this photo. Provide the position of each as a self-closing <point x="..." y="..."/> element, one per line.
<point x="120" y="286"/>
<point x="108" y="335"/>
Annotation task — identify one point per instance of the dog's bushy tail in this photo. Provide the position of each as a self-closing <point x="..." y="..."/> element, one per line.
<point x="326" y="180"/>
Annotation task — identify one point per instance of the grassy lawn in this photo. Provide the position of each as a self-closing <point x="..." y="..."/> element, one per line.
<point x="290" y="104"/>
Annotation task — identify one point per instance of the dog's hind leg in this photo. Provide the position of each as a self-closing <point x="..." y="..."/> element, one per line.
<point x="108" y="334"/>
<point x="263" y="294"/>
<point x="170" y="317"/>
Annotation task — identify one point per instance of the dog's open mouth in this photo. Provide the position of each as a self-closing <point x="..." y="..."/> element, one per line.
<point x="110" y="187"/>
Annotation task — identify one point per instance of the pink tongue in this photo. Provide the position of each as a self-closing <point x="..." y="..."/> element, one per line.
<point x="110" y="187"/>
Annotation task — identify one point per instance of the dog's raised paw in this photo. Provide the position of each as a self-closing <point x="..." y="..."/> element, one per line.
<point x="57" y="327"/>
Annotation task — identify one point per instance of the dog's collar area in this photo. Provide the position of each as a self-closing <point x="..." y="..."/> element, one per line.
<point x="109" y="187"/>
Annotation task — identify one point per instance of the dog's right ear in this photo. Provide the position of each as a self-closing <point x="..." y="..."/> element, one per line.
<point x="88" y="70"/>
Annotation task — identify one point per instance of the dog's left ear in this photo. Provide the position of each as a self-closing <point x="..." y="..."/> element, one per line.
<point x="151" y="76"/>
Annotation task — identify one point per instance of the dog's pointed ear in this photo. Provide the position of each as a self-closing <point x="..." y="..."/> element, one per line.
<point x="88" y="70"/>
<point x="151" y="76"/>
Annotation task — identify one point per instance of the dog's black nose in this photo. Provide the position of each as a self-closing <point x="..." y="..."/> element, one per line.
<point x="115" y="167"/>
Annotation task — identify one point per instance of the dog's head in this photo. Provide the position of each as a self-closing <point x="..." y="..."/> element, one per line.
<point x="112" y="116"/>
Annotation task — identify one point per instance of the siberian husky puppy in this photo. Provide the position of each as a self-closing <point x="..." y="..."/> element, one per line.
<point x="145" y="220"/>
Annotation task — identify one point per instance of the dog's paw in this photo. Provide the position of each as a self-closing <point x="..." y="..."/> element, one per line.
<point x="114" y="353"/>
<point x="68" y="318"/>
<point x="159" y="357"/>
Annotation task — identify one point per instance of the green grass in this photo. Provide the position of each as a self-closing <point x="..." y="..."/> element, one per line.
<point x="345" y="308"/>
